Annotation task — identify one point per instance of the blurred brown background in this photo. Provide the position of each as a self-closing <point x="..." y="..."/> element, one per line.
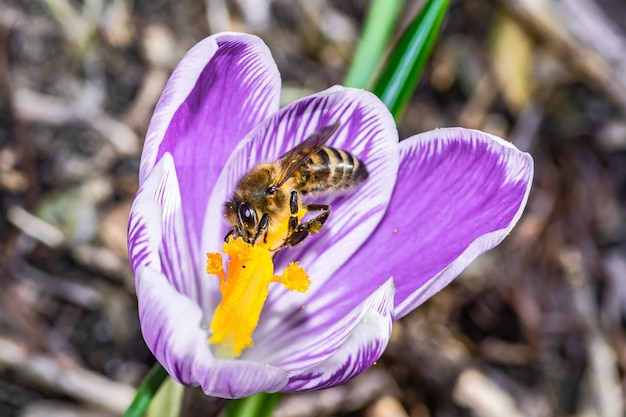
<point x="533" y="328"/>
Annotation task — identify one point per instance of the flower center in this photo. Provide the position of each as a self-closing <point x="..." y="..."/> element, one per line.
<point x="245" y="287"/>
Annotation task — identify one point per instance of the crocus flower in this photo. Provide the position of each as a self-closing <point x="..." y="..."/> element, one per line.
<point x="432" y="204"/>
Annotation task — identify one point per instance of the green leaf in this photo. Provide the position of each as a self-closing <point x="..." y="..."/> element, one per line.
<point x="406" y="62"/>
<point x="168" y="400"/>
<point x="259" y="405"/>
<point x="146" y="391"/>
<point x="379" y="24"/>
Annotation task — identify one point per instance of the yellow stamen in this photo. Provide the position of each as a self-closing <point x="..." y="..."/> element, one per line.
<point x="244" y="288"/>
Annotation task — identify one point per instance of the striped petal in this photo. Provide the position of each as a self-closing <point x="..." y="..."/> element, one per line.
<point x="312" y="334"/>
<point x="222" y="88"/>
<point x="175" y="331"/>
<point x="154" y="240"/>
<point x="365" y="345"/>
<point x="459" y="193"/>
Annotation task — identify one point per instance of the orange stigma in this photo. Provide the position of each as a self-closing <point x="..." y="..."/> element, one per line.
<point x="245" y="287"/>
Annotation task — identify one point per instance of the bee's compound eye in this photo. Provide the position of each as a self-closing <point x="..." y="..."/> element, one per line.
<point x="247" y="215"/>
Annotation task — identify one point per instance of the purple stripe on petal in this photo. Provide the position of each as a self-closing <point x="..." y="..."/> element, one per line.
<point x="364" y="347"/>
<point x="367" y="130"/>
<point x="139" y="250"/>
<point x="311" y="335"/>
<point x="174" y="330"/>
<point x="495" y="191"/>
<point x="144" y="223"/>
<point x="238" y="378"/>
<point x="459" y="193"/>
<point x="170" y="324"/>
<point x="222" y="88"/>
<point x="154" y="231"/>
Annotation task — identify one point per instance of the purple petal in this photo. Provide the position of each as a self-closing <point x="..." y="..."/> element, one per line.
<point x="367" y="130"/>
<point x="237" y="378"/>
<point x="223" y="87"/>
<point x="459" y="193"/>
<point x="313" y="333"/>
<point x="154" y="230"/>
<point x="364" y="346"/>
<point x="173" y="328"/>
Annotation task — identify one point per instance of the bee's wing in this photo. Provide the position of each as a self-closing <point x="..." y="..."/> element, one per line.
<point x="294" y="158"/>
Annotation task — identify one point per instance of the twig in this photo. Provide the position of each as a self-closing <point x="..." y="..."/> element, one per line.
<point x="7" y="94"/>
<point x="35" y="107"/>
<point x="486" y="399"/>
<point x="59" y="409"/>
<point x="602" y="371"/>
<point x="345" y="398"/>
<point x="78" y="294"/>
<point x="583" y="59"/>
<point x="482" y="98"/>
<point x="84" y="385"/>
<point x="386" y="406"/>
<point x="35" y="227"/>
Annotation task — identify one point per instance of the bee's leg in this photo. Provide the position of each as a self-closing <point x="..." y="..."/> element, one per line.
<point x="229" y="234"/>
<point x="293" y="212"/>
<point x="314" y="225"/>
<point x="262" y="228"/>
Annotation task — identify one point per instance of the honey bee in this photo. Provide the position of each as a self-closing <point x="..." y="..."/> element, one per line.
<point x="271" y="192"/>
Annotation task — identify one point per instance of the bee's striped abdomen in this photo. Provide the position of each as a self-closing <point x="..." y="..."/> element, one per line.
<point x="331" y="169"/>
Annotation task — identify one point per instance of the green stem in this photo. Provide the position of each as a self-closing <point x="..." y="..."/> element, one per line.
<point x="146" y="391"/>
<point x="405" y="64"/>
<point x="377" y="30"/>
<point x="259" y="405"/>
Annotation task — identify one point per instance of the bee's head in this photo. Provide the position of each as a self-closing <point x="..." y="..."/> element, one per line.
<point x="244" y="219"/>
